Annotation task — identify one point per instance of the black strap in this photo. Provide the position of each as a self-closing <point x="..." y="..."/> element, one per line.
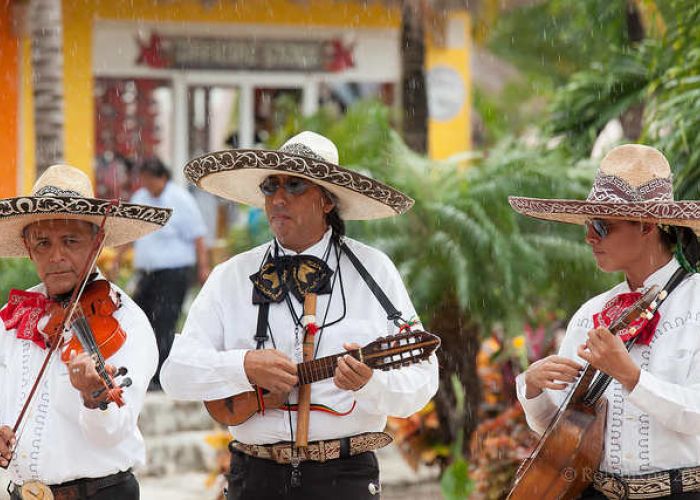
<point x="344" y="447"/>
<point x="261" y="335"/>
<point x="676" y="481"/>
<point x="392" y="313"/>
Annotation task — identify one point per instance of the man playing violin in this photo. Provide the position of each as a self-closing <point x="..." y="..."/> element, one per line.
<point x="71" y="439"/>
<point x="246" y="329"/>
<point x="651" y="446"/>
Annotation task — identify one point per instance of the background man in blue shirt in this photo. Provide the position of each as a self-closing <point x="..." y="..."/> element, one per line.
<point x="165" y="260"/>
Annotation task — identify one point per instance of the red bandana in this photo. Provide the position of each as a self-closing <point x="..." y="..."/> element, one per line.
<point x="643" y="327"/>
<point x="23" y="312"/>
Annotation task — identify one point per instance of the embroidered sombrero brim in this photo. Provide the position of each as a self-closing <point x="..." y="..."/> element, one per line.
<point x="237" y="174"/>
<point x="127" y="221"/>
<point x="673" y="213"/>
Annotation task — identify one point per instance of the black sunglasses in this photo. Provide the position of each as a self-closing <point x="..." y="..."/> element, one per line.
<point x="293" y="185"/>
<point x="600" y="227"/>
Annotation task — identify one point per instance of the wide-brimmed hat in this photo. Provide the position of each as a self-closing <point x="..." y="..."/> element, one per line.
<point x="64" y="192"/>
<point x="634" y="182"/>
<point x="236" y="175"/>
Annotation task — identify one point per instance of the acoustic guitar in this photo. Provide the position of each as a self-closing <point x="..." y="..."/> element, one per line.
<point x="569" y="452"/>
<point x="385" y="353"/>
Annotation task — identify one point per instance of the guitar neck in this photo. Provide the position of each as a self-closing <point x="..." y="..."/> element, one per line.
<point x="322" y="368"/>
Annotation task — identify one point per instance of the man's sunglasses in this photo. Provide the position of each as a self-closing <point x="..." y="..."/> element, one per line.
<point x="600" y="227"/>
<point x="293" y="185"/>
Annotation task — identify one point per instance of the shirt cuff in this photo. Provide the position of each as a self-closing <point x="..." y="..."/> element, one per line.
<point x="234" y="368"/>
<point x="99" y="419"/>
<point x="373" y="389"/>
<point x="639" y="396"/>
<point x="539" y="405"/>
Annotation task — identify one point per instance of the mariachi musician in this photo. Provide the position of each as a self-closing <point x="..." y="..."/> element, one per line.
<point x="247" y="326"/>
<point x="651" y="442"/>
<point x="68" y="438"/>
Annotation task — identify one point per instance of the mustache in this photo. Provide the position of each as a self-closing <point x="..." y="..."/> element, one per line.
<point x="59" y="270"/>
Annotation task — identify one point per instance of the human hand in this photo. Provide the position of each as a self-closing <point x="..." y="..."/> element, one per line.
<point x="350" y="373"/>
<point x="7" y="445"/>
<point x="607" y="352"/>
<point x="552" y="372"/>
<point x="84" y="378"/>
<point x="271" y="370"/>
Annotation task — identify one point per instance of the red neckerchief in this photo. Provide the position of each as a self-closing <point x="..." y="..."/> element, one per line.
<point x="23" y="312"/>
<point x="643" y="327"/>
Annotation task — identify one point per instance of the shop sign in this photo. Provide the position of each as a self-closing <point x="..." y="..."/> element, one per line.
<point x="186" y="52"/>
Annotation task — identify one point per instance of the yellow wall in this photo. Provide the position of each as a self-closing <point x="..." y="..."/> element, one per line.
<point x="449" y="137"/>
<point x="8" y="102"/>
<point x="312" y="12"/>
<point x="78" y="103"/>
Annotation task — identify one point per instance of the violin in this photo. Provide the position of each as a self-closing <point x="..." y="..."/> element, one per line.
<point x="95" y="332"/>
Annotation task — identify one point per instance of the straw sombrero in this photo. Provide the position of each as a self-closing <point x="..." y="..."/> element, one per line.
<point x="633" y="182"/>
<point x="64" y="192"/>
<point x="236" y="175"/>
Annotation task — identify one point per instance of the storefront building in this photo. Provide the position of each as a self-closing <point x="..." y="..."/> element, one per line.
<point x="179" y="78"/>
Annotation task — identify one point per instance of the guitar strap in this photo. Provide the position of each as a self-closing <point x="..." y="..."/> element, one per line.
<point x="392" y="314"/>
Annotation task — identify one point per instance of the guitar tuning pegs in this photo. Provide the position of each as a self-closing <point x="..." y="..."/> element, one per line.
<point x="648" y="315"/>
<point x="662" y="295"/>
<point x="653" y="305"/>
<point x="126" y="382"/>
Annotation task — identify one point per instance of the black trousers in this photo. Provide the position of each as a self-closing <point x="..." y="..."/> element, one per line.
<point x="128" y="489"/>
<point x="348" y="478"/>
<point x="592" y="494"/>
<point x="160" y="294"/>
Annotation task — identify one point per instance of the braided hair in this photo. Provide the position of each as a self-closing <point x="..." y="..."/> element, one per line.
<point x="333" y="218"/>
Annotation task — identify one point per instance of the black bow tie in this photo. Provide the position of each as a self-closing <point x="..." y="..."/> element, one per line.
<point x="299" y="274"/>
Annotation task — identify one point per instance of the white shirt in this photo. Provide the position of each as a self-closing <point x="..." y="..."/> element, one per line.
<point x="206" y="361"/>
<point x="63" y="440"/>
<point x="174" y="244"/>
<point x="657" y="425"/>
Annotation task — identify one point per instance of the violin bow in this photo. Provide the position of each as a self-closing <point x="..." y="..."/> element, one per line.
<point x="97" y="246"/>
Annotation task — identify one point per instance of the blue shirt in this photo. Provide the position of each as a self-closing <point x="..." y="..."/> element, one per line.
<point x="174" y="244"/>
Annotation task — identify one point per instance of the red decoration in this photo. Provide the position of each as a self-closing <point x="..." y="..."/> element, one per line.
<point x="641" y="327"/>
<point x="340" y="56"/>
<point x="23" y="312"/>
<point x="152" y="53"/>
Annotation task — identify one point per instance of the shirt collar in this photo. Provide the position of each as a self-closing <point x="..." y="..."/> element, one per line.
<point x="318" y="249"/>
<point x="661" y="276"/>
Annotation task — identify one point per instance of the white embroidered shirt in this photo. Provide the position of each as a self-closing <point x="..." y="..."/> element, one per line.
<point x="206" y="361"/>
<point x="63" y="440"/>
<point x="657" y="425"/>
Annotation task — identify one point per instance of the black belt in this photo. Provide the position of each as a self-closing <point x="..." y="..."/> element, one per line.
<point x="77" y="489"/>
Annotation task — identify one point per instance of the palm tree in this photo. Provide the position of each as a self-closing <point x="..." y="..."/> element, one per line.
<point x="47" y="78"/>
<point x="659" y="75"/>
<point x="472" y="263"/>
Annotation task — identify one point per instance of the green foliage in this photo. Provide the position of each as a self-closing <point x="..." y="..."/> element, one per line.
<point x="16" y="273"/>
<point x="597" y="95"/>
<point x="462" y="239"/>
<point x="455" y="482"/>
<point x="556" y="38"/>
<point x="673" y="123"/>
